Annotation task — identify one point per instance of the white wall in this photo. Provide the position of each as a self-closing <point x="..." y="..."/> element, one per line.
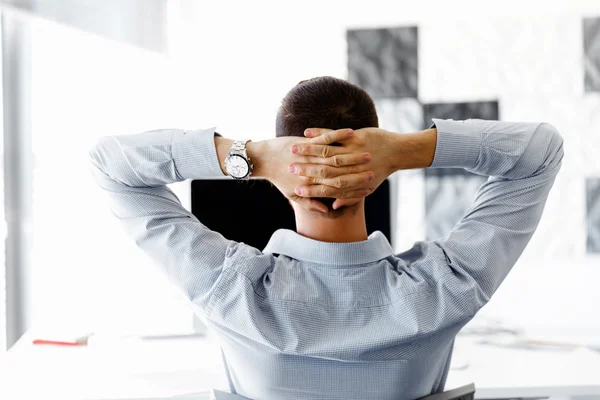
<point x="88" y="275"/>
<point x="526" y="55"/>
<point x="230" y="65"/>
<point x="558" y="298"/>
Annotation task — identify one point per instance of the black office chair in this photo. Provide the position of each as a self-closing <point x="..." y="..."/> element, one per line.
<point x="260" y="209"/>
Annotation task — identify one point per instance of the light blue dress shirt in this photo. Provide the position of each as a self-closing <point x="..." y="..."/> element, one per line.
<point x="304" y="319"/>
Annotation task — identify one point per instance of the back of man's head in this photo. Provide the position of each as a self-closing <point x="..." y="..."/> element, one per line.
<point x="325" y="102"/>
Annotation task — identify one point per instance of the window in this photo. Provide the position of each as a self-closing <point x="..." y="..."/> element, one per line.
<point x="87" y="275"/>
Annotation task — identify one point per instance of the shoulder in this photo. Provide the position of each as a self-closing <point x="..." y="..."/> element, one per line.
<point x="248" y="261"/>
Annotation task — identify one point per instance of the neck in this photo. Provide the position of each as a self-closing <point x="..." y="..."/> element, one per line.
<point x="348" y="227"/>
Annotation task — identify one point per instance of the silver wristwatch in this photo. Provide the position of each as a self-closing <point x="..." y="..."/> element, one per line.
<point x="237" y="163"/>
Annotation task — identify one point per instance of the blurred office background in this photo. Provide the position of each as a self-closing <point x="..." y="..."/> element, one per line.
<point x="77" y="70"/>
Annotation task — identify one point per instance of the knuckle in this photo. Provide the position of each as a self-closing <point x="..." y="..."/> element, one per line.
<point x="325" y="191"/>
<point x="337" y="161"/>
<point x="339" y="182"/>
<point x="322" y="172"/>
<point x="311" y="171"/>
<point x="325" y="151"/>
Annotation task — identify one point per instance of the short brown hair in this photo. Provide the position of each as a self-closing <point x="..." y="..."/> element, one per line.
<point x="325" y="102"/>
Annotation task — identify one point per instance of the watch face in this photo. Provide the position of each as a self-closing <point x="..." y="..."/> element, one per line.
<point x="237" y="166"/>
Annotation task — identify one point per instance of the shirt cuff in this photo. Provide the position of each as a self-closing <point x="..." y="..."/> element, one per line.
<point x="458" y="143"/>
<point x="195" y="155"/>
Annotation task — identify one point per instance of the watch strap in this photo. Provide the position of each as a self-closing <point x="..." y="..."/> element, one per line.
<point x="239" y="146"/>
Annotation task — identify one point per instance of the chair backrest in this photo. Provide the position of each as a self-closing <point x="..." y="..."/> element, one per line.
<point x="250" y="211"/>
<point x="466" y="392"/>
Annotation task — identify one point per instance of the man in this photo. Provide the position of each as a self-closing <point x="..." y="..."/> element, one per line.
<point x="327" y="313"/>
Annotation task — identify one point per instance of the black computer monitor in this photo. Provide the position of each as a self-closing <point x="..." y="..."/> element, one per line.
<point x="250" y="211"/>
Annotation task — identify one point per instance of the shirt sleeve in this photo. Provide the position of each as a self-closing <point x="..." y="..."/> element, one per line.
<point x="133" y="170"/>
<point x="522" y="161"/>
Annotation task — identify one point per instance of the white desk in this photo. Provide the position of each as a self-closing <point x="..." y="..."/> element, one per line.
<point x="500" y="373"/>
<point x="184" y="366"/>
<point x="122" y="370"/>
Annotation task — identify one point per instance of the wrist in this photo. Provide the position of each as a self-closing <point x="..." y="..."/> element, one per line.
<point x="414" y="150"/>
<point x="222" y="146"/>
<point x="258" y="153"/>
<point x="396" y="145"/>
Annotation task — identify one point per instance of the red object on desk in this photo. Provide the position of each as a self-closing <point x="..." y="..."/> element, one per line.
<point x="58" y="343"/>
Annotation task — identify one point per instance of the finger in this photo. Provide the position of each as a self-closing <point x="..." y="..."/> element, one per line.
<point x="340" y="160"/>
<point x="345" y="181"/>
<point x="330" y="191"/>
<point x="339" y="203"/>
<point x="315" y="132"/>
<point x="311" y="204"/>
<point x="324" y="171"/>
<point x="330" y="136"/>
<point x="319" y="150"/>
<point x="364" y="192"/>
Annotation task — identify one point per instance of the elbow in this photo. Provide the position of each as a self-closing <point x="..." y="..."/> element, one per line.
<point x="554" y="152"/>
<point x="553" y="138"/>
<point x="99" y="159"/>
<point x="97" y="153"/>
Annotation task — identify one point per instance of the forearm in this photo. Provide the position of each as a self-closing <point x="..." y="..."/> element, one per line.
<point x="413" y="150"/>
<point x="156" y="158"/>
<point x="505" y="150"/>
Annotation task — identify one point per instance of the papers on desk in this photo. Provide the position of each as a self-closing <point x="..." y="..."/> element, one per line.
<point x="527" y="343"/>
<point x="492" y="332"/>
<point x="590" y="340"/>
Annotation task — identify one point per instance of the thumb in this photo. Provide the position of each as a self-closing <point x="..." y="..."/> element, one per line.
<point x="311" y="204"/>
<point x="339" y="203"/>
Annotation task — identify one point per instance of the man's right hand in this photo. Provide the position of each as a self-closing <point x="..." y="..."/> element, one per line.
<point x="273" y="157"/>
<point x="389" y="152"/>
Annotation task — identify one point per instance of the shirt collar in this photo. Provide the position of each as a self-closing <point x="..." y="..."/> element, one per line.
<point x="291" y="244"/>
